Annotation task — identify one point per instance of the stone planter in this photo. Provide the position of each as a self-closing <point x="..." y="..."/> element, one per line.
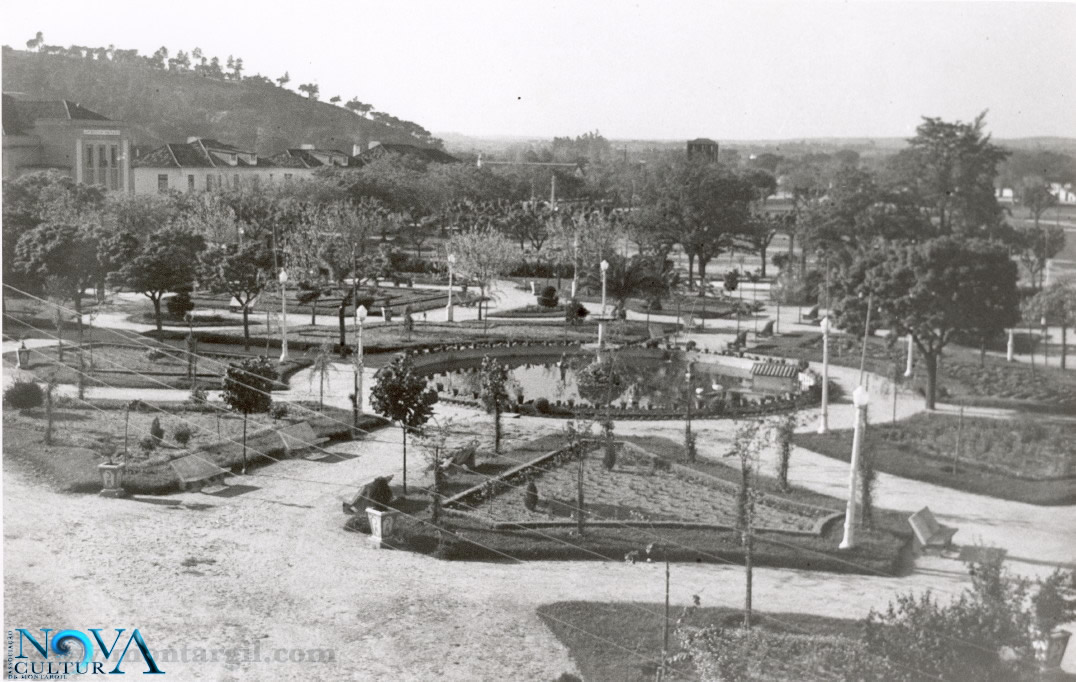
<point x="111" y="479"/>
<point x="382" y="524"/>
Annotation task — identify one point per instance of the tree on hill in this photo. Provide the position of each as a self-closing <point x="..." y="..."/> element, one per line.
<point x="159" y="58"/>
<point x="36" y="42"/>
<point x="237" y="70"/>
<point x="402" y="396"/>
<point x="358" y="107"/>
<point x="335" y="99"/>
<point x="166" y="262"/>
<point x="933" y="291"/>
<point x="284" y="80"/>
<point x="310" y="89"/>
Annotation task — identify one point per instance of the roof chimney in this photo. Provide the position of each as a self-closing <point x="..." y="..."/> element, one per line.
<point x="374" y="143"/>
<point x="307" y="146"/>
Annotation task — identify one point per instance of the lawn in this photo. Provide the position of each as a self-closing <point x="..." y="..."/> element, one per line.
<point x="1028" y="459"/>
<point x="883" y="550"/>
<point x="960" y="378"/>
<point x="85" y="435"/>
<point x="135" y="366"/>
<point x="622" y="642"/>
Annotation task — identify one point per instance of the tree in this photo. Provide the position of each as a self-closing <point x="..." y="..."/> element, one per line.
<point x="760" y="230"/>
<point x="952" y="167"/>
<point x="746" y="449"/>
<point x="36" y="42"/>
<point x="310" y="89"/>
<point x="246" y="389"/>
<point x="626" y="278"/>
<point x="494" y="394"/>
<point x="240" y="271"/>
<point x="335" y="99"/>
<point x="358" y="107"/>
<point x="403" y="396"/>
<point x="1038" y="245"/>
<point x="167" y="261"/>
<point x="783" y="432"/>
<point x="284" y="80"/>
<point x="1056" y="303"/>
<point x="933" y="291"/>
<point x="64" y="252"/>
<point x="159" y="58"/>
<point x="482" y="253"/>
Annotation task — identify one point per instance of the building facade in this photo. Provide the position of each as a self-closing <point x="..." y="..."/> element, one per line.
<point x="64" y="136"/>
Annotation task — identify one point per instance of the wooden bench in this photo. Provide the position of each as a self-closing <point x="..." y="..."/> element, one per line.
<point x="812" y="315"/>
<point x="767" y="331"/>
<point x="928" y="531"/>
<point x="300" y="436"/>
<point x="195" y="471"/>
<point x="463" y="457"/>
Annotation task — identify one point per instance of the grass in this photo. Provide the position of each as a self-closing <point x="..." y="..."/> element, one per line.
<point x="133" y="366"/>
<point x="622" y="642"/>
<point x="999" y="458"/>
<point x="960" y="378"/>
<point x="882" y="550"/>
<point x="85" y="436"/>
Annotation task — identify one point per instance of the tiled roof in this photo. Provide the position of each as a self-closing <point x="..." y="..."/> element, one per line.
<point x="774" y="369"/>
<point x="196" y="155"/>
<point x="306" y="158"/>
<point x="20" y="115"/>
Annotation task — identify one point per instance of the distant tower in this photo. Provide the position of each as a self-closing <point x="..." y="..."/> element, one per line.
<point x="703" y="148"/>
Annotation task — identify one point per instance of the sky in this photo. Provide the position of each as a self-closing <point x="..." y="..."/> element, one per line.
<point x="632" y="70"/>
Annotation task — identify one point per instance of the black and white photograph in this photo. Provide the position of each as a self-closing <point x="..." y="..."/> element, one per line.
<point x="485" y="340"/>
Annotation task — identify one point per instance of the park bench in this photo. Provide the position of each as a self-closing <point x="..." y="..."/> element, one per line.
<point x="928" y="531"/>
<point x="463" y="457"/>
<point x="812" y="315"/>
<point x="195" y="471"/>
<point x="300" y="436"/>
<point x="766" y="332"/>
<point x="739" y="343"/>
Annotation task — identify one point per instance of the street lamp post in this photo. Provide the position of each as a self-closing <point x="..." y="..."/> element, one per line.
<point x="360" y="317"/>
<point x="823" y="418"/>
<point x="1010" y="347"/>
<point x="575" y="262"/>
<point x="860" y="399"/>
<point x="451" y="263"/>
<point x="911" y="349"/>
<point x="283" y="316"/>
<point x="604" y="267"/>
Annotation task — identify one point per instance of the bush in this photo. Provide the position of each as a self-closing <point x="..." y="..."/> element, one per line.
<point x="148" y="444"/>
<point x="179" y="305"/>
<point x="278" y="411"/>
<point x="155" y="430"/>
<point x="542" y="405"/>
<point x="24" y="395"/>
<point x="575" y="312"/>
<point x="548" y="298"/>
<point x="182" y="434"/>
<point x="154" y="354"/>
<point x="609" y="458"/>
<point x="791" y="289"/>
<point x="530" y="496"/>
<point x="198" y="396"/>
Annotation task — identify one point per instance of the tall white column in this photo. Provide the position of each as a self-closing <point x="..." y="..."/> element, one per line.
<point x="911" y="350"/>
<point x="860" y="399"/>
<point x="823" y="418"/>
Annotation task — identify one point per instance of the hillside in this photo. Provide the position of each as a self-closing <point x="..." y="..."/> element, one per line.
<point x="165" y="106"/>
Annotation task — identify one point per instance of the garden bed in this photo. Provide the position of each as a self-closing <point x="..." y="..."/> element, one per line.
<point x="1027" y="459"/>
<point x="622" y="642"/>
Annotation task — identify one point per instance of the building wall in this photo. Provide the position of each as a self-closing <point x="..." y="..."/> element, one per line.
<point x="20" y="153"/>
<point x="63" y="145"/>
<point x="146" y="179"/>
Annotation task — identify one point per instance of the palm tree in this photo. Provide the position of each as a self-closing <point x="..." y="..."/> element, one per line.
<point x="321" y="368"/>
<point x="626" y="278"/>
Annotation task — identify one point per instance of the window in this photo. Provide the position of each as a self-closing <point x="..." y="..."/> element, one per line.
<point x="287" y="177"/>
<point x="190" y="183"/>
<point x="162" y="183"/>
<point x="88" y="175"/>
<point x="235" y="181"/>
<point x="209" y="183"/>
<point x="114" y="167"/>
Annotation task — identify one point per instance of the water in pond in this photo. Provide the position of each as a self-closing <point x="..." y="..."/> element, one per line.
<point x="644" y="381"/>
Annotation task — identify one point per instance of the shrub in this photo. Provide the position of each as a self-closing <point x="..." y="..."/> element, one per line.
<point x="542" y="405"/>
<point x="791" y="289"/>
<point x="198" y="396"/>
<point x="182" y="434"/>
<point x="278" y="411"/>
<point x="609" y="458"/>
<point x="530" y="496"/>
<point x="24" y="395"/>
<point x="179" y="305"/>
<point x="148" y="444"/>
<point x="548" y="298"/>
<point x="575" y="312"/>
<point x="155" y="430"/>
<point x="154" y="354"/>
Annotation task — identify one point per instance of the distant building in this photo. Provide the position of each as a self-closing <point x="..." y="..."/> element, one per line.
<point x="205" y="165"/>
<point x="380" y="150"/>
<point x="65" y="136"/>
<point x="309" y="157"/>
<point x="702" y="148"/>
<point x="1063" y="193"/>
